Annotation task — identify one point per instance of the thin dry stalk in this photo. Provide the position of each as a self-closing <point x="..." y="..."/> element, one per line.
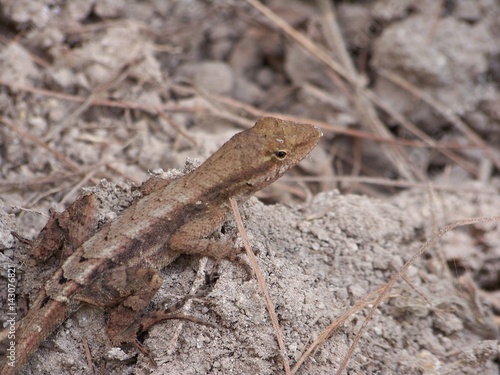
<point x="302" y="40"/>
<point x="385" y="289"/>
<point x="334" y="36"/>
<point x="328" y="332"/>
<point x="439" y="107"/>
<point x="36" y="59"/>
<point x="382" y="294"/>
<point x="217" y="109"/>
<point x="408" y="125"/>
<point x="151" y="109"/>
<point x="35" y="140"/>
<point x="262" y="283"/>
<point x="88" y="355"/>
<point x="38" y="181"/>
<point x="435" y="22"/>
<point x="169" y="107"/>
<point x="174" y="125"/>
<point x="395" y="183"/>
<point x="363" y="106"/>
<point x="337" y="129"/>
<point x="119" y="76"/>
<point x="76" y="187"/>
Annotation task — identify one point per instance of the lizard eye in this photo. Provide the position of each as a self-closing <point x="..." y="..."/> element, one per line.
<point x="280" y="154"/>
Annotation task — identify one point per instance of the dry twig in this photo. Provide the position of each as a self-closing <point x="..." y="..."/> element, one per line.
<point x="262" y="283"/>
<point x="382" y="294"/>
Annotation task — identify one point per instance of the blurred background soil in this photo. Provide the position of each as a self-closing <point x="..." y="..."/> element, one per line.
<point x="407" y="94"/>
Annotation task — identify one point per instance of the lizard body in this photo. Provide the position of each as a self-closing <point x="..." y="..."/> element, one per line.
<point x="119" y="265"/>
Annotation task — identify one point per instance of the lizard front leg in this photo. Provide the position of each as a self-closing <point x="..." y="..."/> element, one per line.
<point x="191" y="238"/>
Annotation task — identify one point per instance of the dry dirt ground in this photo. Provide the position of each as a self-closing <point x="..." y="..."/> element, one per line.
<point x="407" y="95"/>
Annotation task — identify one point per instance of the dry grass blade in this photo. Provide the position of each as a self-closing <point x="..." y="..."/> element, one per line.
<point x="408" y="125"/>
<point x="388" y="182"/>
<point x="74" y="190"/>
<point x="218" y="110"/>
<point x="88" y="172"/>
<point x="369" y="299"/>
<point x="88" y="355"/>
<point x="57" y="154"/>
<point x="385" y="289"/>
<point x="262" y="283"/>
<point x="382" y="294"/>
<point x="437" y="18"/>
<point x="256" y="112"/>
<point x="302" y="40"/>
<point x="174" y="125"/>
<point x="397" y="276"/>
<point x="36" y="59"/>
<point x="441" y="108"/>
<point x="35" y="140"/>
<point x="151" y="109"/>
<point x="334" y="35"/>
<point x="71" y="117"/>
<point x="364" y="106"/>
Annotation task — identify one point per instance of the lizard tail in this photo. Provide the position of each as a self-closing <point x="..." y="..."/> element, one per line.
<point x="33" y="330"/>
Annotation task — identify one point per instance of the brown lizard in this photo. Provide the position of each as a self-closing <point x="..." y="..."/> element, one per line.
<point x="118" y="267"/>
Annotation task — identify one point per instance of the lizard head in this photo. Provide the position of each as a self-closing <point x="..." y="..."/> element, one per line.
<point x="256" y="157"/>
